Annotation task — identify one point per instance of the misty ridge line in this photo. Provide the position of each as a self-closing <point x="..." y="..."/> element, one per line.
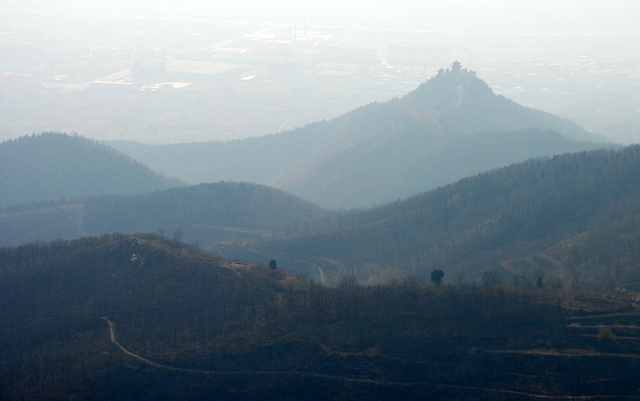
<point x="325" y="26"/>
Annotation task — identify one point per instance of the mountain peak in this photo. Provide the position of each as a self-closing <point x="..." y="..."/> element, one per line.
<point x="463" y="104"/>
<point x="455" y="69"/>
<point x="449" y="89"/>
<point x="450" y="126"/>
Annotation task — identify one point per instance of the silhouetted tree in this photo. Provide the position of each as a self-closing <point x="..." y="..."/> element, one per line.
<point x="437" y="276"/>
<point x="272" y="264"/>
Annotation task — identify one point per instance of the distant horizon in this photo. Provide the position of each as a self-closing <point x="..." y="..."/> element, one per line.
<point x="66" y="45"/>
<point x="527" y="17"/>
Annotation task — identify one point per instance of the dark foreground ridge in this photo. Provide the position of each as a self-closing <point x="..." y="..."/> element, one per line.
<point x="145" y="317"/>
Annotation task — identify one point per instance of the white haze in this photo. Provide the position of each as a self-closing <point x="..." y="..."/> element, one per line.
<point x="578" y="59"/>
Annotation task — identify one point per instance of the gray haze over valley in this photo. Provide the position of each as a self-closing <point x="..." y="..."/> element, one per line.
<point x="328" y="201"/>
<point x="166" y="72"/>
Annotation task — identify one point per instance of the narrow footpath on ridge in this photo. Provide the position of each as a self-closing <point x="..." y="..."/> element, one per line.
<point x="114" y="340"/>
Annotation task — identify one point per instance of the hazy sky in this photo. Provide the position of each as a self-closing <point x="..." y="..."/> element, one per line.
<point x="488" y="16"/>
<point x="479" y="33"/>
<point x="612" y="25"/>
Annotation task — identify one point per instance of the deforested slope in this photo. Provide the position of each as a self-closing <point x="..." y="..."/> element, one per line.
<point x="141" y="317"/>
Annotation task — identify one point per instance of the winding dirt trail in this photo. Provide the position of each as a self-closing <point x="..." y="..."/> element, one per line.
<point x="114" y="340"/>
<point x="112" y="334"/>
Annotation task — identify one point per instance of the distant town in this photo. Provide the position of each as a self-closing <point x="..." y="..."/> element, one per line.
<point x="198" y="81"/>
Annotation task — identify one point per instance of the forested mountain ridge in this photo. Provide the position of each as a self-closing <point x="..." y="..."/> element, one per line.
<point x="561" y="219"/>
<point x="53" y="166"/>
<point x="118" y="271"/>
<point x="142" y="317"/>
<point x="202" y="214"/>
<point x="383" y="151"/>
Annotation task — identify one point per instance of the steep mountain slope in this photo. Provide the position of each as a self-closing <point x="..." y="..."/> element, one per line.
<point x="463" y="104"/>
<point x="409" y="145"/>
<point x="250" y="160"/>
<point x="383" y="151"/>
<point x="204" y="214"/>
<point x="541" y="218"/>
<point x="145" y="318"/>
<point x="53" y="166"/>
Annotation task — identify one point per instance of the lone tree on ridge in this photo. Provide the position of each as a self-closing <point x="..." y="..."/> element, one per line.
<point x="437" y="276"/>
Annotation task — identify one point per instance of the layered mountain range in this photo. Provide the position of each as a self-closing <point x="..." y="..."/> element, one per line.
<point x="506" y="222"/>
<point x="451" y="126"/>
<point x="571" y="220"/>
<point x="104" y="299"/>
